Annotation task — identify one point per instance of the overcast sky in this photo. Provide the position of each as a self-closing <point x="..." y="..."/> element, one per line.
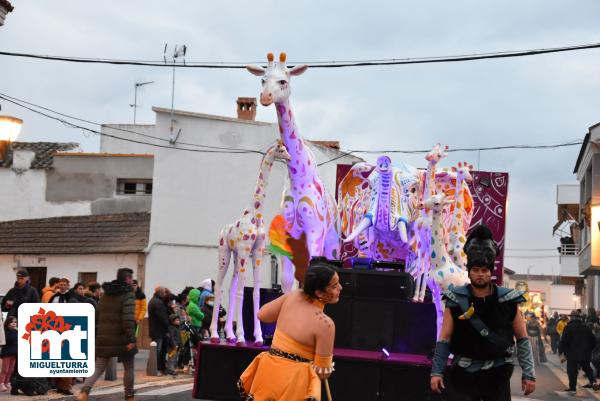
<point x="544" y="99"/>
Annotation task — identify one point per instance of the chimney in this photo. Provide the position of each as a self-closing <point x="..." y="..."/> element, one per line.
<point x="246" y="108"/>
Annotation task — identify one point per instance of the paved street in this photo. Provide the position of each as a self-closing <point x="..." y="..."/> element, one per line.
<point x="551" y="382"/>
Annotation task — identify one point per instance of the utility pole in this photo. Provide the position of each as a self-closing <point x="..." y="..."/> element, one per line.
<point x="135" y="105"/>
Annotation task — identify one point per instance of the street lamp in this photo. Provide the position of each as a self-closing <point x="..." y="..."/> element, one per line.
<point x="10" y="127"/>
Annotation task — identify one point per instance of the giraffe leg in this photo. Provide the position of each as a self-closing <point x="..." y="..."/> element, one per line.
<point x="257" y="262"/>
<point x="331" y="248"/>
<point x="426" y="270"/>
<point x="287" y="275"/>
<point x="418" y="276"/>
<point x="436" y="295"/>
<point x="229" y="334"/>
<point x="243" y="261"/>
<point x="224" y="257"/>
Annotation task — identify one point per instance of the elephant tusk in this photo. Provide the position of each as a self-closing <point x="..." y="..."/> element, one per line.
<point x="402" y="231"/>
<point x="362" y="226"/>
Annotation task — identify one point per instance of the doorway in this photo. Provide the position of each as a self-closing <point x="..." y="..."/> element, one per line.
<point x="37" y="277"/>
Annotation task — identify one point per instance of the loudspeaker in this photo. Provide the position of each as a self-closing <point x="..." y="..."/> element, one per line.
<point x="354" y="380"/>
<point x="394" y="285"/>
<point x="341" y="313"/>
<point x="406" y="383"/>
<point x="372" y="324"/>
<point x="415" y="328"/>
<point x="218" y="369"/>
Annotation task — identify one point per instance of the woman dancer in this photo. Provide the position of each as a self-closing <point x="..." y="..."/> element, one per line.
<point x="302" y="348"/>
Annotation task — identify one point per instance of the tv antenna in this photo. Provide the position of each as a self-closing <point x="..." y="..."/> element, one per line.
<point x="178" y="53"/>
<point x="135" y="105"/>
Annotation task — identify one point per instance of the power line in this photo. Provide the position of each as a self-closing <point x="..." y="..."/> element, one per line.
<point x="314" y="64"/>
<point x="7" y="97"/>
<point x="73" y="125"/>
<point x="216" y="149"/>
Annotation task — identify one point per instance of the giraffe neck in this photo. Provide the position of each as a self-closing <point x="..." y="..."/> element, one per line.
<point x="300" y="167"/>
<point x="261" y="183"/>
<point x="429" y="188"/>
<point x="457" y="220"/>
<point x="438" y="247"/>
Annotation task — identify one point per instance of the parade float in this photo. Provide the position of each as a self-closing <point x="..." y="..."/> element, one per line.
<point x="396" y="234"/>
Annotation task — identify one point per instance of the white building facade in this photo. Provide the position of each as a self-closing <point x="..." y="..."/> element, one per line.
<point x="200" y="186"/>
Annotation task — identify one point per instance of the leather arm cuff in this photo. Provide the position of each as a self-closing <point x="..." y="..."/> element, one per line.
<point x="525" y="358"/>
<point x="440" y="358"/>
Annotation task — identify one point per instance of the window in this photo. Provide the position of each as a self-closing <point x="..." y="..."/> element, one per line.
<point x="87" y="278"/>
<point x="134" y="187"/>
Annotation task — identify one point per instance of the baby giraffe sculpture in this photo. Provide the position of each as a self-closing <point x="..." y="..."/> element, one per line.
<point x="246" y="240"/>
<point x="444" y="274"/>
<point x="458" y="231"/>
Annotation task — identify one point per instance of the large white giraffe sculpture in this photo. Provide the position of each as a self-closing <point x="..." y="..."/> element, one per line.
<point x="246" y="240"/>
<point x="422" y="226"/>
<point x="444" y="274"/>
<point x="307" y="205"/>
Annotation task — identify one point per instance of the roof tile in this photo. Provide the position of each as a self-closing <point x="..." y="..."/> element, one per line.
<point x="109" y="233"/>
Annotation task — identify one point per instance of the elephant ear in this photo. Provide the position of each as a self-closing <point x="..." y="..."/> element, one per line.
<point x="354" y="196"/>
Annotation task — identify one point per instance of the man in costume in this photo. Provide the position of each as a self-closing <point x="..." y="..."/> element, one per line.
<point x="481" y="322"/>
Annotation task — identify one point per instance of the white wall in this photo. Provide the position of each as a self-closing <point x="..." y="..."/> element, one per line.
<point x="196" y="194"/>
<point x="23" y="196"/>
<point x="563" y="300"/>
<point x="105" y="265"/>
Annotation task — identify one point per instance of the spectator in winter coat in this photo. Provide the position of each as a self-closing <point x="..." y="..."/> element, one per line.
<point x="206" y="289"/>
<point x="596" y="350"/>
<point x="49" y="291"/>
<point x="63" y="294"/>
<point x="551" y="331"/>
<point x="194" y="311"/>
<point x="159" y="325"/>
<point x="591" y="317"/>
<point x="21" y="293"/>
<point x="140" y="305"/>
<point x="173" y="344"/>
<point x="77" y="295"/>
<point x="562" y="323"/>
<point x="116" y="332"/>
<point x="94" y="292"/>
<point x="576" y="345"/>
<point x="207" y="309"/>
<point x="9" y="353"/>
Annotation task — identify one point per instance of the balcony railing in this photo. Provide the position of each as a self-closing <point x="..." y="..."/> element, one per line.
<point x="569" y="249"/>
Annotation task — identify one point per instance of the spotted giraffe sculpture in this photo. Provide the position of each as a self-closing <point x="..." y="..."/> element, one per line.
<point x="246" y="240"/>
<point x="307" y="206"/>
<point x="458" y="230"/>
<point x="444" y="274"/>
<point x="422" y="226"/>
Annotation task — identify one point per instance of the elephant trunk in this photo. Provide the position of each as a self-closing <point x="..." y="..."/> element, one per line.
<point x="362" y="226"/>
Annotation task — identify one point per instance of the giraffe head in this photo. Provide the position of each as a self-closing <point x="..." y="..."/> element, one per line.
<point x="275" y="79"/>
<point x="436" y="202"/>
<point x="278" y="151"/>
<point x="463" y="171"/>
<point x="437" y="153"/>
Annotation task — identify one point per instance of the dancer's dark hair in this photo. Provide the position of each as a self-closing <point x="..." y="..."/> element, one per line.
<point x="317" y="278"/>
